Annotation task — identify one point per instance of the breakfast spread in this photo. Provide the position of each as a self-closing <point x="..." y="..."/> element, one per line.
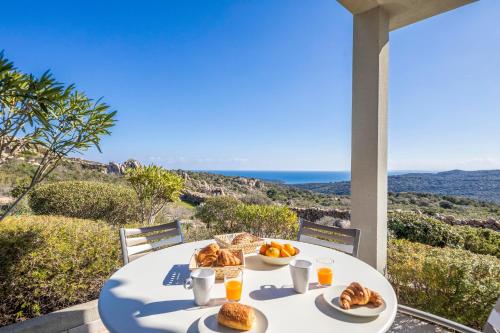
<point x="238" y="316"/>
<point x="356" y="294"/>
<point x="275" y="249"/>
<point x="245" y="238"/>
<point x="211" y="255"/>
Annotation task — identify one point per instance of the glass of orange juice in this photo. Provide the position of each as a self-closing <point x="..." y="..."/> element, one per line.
<point x="234" y="286"/>
<point x="324" y="268"/>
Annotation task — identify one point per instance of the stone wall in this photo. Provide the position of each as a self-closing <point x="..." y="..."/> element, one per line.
<point x="488" y="224"/>
<point x="314" y="214"/>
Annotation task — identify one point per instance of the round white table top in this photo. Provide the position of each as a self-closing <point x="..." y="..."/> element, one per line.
<point x="147" y="295"/>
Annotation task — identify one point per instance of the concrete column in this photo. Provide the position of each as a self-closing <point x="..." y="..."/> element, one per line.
<point x="369" y="135"/>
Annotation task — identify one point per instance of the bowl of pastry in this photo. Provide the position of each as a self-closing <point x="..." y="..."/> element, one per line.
<point x="239" y="241"/>
<point x="275" y="253"/>
<point x="233" y="317"/>
<point x="222" y="261"/>
<point x="355" y="300"/>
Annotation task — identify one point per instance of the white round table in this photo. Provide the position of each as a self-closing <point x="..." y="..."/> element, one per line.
<point x="148" y="296"/>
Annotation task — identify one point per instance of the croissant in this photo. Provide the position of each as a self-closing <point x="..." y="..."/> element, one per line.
<point x="356" y="294"/>
<point x="208" y="255"/>
<point x="227" y="258"/>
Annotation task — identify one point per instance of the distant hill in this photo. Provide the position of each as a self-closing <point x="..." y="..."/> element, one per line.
<point x="482" y="185"/>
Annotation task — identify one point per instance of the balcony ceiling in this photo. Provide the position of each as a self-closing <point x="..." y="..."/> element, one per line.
<point x="404" y="12"/>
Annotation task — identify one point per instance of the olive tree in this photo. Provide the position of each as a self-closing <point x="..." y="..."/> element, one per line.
<point x="155" y="187"/>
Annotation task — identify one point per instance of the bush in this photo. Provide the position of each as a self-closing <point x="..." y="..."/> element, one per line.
<point x="422" y="229"/>
<point x="115" y="204"/>
<point x="268" y="221"/>
<point x="48" y="263"/>
<point x="155" y="187"/>
<point x="478" y="240"/>
<point x="219" y="213"/>
<point x="452" y="283"/>
<point x="427" y="230"/>
<point x="256" y="199"/>
<point x="228" y="215"/>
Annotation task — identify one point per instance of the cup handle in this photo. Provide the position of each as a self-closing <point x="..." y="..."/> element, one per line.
<point x="188" y="284"/>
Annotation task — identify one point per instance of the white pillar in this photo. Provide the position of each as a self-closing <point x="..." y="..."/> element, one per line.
<point x="369" y="135"/>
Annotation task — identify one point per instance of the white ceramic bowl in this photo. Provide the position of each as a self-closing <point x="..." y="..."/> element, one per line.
<point x="279" y="261"/>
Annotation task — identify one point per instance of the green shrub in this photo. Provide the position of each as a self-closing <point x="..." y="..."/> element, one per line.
<point x="452" y="283"/>
<point x="155" y="187"/>
<point x="48" y="263"/>
<point x="227" y="214"/>
<point x="427" y="230"/>
<point x="478" y="240"/>
<point x="268" y="220"/>
<point x="219" y="213"/>
<point x="423" y="229"/>
<point x="115" y="204"/>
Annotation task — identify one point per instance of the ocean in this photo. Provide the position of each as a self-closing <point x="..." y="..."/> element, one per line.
<point x="294" y="177"/>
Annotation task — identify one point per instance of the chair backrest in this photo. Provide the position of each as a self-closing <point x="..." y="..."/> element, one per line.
<point x="345" y="240"/>
<point x="493" y="323"/>
<point x="138" y="242"/>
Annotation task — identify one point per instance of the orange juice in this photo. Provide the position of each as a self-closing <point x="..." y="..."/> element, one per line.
<point x="233" y="290"/>
<point x="325" y="276"/>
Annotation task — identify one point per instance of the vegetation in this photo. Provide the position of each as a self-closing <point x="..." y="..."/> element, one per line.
<point x="53" y="120"/>
<point x="115" y="204"/>
<point x="23" y="107"/>
<point x="452" y="283"/>
<point x="48" y="263"/>
<point x="479" y="185"/>
<point x="155" y="187"/>
<point x="419" y="228"/>
<point x="229" y="215"/>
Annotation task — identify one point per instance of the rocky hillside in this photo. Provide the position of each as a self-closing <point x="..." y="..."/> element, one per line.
<point x="481" y="185"/>
<point x="200" y="185"/>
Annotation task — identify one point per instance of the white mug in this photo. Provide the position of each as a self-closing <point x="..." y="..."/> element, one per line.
<point x="301" y="274"/>
<point x="201" y="281"/>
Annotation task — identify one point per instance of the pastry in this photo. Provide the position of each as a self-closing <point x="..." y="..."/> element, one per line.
<point x="208" y="255"/>
<point x="244" y="238"/>
<point x="227" y="258"/>
<point x="356" y="294"/>
<point x="237" y="316"/>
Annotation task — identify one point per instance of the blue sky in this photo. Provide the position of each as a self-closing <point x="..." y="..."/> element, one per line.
<point x="265" y="84"/>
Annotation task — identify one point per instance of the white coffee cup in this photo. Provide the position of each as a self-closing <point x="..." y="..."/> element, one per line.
<point x="301" y="271"/>
<point x="201" y="281"/>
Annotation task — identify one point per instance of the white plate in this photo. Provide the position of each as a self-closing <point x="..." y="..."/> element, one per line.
<point x="208" y="323"/>
<point x="332" y="297"/>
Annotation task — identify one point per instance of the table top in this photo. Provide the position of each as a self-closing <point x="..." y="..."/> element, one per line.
<point x="147" y="295"/>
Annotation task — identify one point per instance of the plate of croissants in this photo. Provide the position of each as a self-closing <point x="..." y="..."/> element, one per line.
<point x="232" y="318"/>
<point x="355" y="300"/>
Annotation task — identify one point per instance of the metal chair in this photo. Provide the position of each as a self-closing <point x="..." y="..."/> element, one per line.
<point x="493" y="323"/>
<point x="410" y="320"/>
<point x="345" y="240"/>
<point x="163" y="235"/>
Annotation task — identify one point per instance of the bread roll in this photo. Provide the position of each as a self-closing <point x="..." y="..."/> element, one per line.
<point x="237" y="316"/>
<point x="244" y="238"/>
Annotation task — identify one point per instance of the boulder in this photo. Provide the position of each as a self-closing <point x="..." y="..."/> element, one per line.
<point x="114" y="168"/>
<point x="131" y="163"/>
<point x="344" y="224"/>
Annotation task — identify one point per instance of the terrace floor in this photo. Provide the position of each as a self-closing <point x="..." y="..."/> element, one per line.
<point x="407" y="324"/>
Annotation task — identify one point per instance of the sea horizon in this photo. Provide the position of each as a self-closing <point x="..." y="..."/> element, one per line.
<point x="299" y="177"/>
